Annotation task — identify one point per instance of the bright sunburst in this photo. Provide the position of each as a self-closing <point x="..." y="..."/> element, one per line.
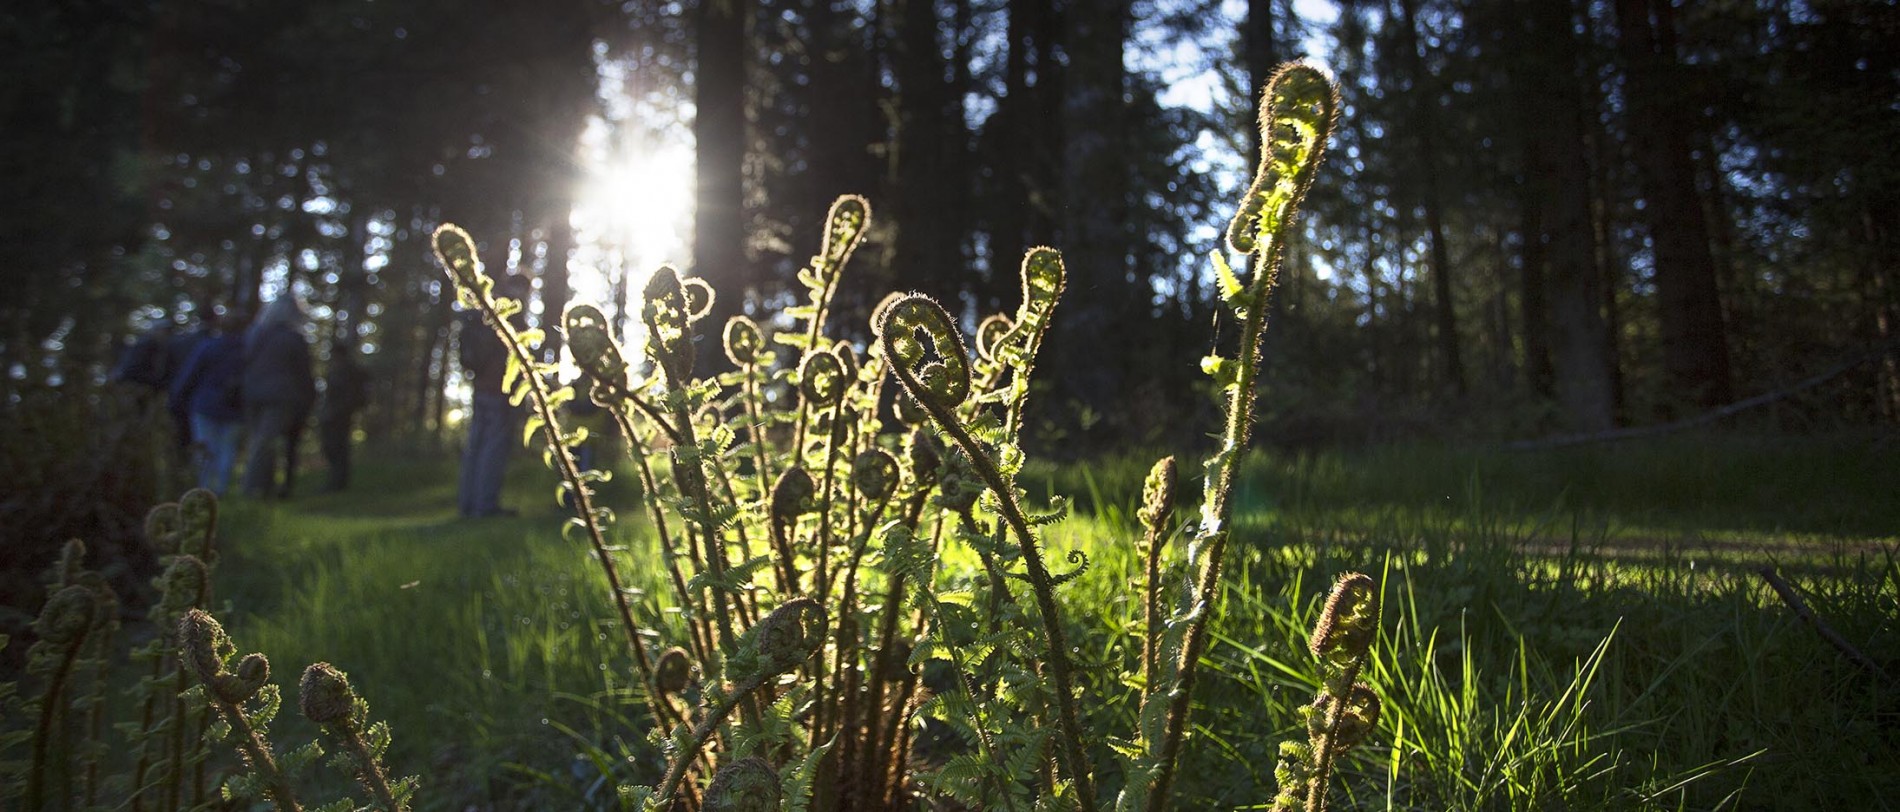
<point x="634" y="214"/>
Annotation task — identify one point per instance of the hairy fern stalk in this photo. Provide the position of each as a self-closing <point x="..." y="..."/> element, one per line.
<point x="805" y="500"/>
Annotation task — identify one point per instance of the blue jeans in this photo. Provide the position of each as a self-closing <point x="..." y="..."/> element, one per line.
<point x="492" y="430"/>
<point x="220" y="441"/>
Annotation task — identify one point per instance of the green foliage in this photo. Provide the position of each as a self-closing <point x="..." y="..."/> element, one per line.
<point x="861" y="607"/>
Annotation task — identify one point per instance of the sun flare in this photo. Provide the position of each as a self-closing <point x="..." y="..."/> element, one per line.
<point x="633" y="214"/>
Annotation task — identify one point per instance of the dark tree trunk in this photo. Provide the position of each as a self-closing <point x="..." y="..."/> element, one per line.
<point x="1534" y="301"/>
<point x="1021" y="143"/>
<point x="555" y="288"/>
<point x="1883" y="301"/>
<point x="1695" y="349"/>
<point x="845" y="127"/>
<point x="1560" y="184"/>
<point x="720" y="132"/>
<point x="1261" y="54"/>
<point x="1106" y="305"/>
<point x="1425" y="102"/>
<point x="925" y="246"/>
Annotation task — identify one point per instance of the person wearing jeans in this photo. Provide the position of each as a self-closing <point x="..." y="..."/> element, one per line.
<point x="492" y="433"/>
<point x="279" y="389"/>
<point x="494" y="426"/>
<point x="207" y="393"/>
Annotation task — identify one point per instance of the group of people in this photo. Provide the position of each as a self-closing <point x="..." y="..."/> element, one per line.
<point x="229" y="382"/>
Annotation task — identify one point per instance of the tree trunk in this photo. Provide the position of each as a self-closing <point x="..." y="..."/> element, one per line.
<point x="1260" y="54"/>
<point x="1883" y="300"/>
<point x="555" y="288"/>
<point x="1106" y="306"/>
<point x="1425" y="101"/>
<point x="1695" y="349"/>
<point x="1534" y="301"/>
<point x="719" y="131"/>
<point x="923" y="248"/>
<point x="1560" y="185"/>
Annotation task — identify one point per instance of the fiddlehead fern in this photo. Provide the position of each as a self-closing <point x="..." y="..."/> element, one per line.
<point x="206" y="649"/>
<point x="941" y="386"/>
<point x="326" y="698"/>
<point x="1346" y="710"/>
<point x="1297" y="112"/>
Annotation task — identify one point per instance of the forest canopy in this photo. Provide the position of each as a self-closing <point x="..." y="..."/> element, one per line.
<point x="1542" y="218"/>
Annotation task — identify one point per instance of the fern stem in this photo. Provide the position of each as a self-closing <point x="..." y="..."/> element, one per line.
<point x="676" y="772"/>
<point x="257" y="750"/>
<point x="1039" y="581"/>
<point x="1238" y="433"/>
<point x="369" y="769"/>
<point x="175" y="765"/>
<point x="1324" y="755"/>
<point x="149" y="710"/>
<point x="873" y="769"/>
<point x="570" y="473"/>
<point x="1151" y="589"/>
<point x="749" y="397"/>
<point x="50" y="707"/>
<point x="698" y="633"/>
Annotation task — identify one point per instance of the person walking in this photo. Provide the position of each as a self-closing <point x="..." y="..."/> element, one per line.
<point x="279" y="390"/>
<point x="179" y="349"/>
<point x="208" y="392"/>
<point x="345" y="392"/>
<point x="493" y="426"/>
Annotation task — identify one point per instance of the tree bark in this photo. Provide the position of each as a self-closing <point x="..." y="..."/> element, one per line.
<point x="1695" y="349"/>
<point x="719" y="130"/>
<point x="1424" y="104"/>
<point x="1534" y="301"/>
<point x="1106" y="303"/>
<point x="924" y="248"/>
<point x="1560" y="185"/>
<point x="1260" y="54"/>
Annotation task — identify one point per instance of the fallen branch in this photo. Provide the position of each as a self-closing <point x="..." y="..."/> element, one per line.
<point x="1705" y="418"/>
<point x="1800" y="607"/>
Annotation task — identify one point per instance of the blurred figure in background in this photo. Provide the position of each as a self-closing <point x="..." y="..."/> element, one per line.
<point x="178" y="351"/>
<point x="345" y="392"/>
<point x="493" y="425"/>
<point x="279" y="389"/>
<point x="208" y="390"/>
<point x="145" y="363"/>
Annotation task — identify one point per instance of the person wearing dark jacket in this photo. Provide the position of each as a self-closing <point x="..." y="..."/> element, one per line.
<point x="345" y="391"/>
<point x="279" y="390"/>
<point x="178" y="352"/>
<point x="493" y="428"/>
<point x="207" y="390"/>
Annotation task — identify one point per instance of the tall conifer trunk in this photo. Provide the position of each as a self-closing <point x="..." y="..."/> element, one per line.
<point x="1695" y="349"/>
<point x="719" y="132"/>
<point x="1559" y="176"/>
<point x="1424" y="103"/>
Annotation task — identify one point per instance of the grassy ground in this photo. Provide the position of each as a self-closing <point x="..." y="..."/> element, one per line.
<point x="1578" y="629"/>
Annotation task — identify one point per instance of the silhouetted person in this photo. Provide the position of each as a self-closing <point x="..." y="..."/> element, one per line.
<point x="493" y="425"/>
<point x="209" y="390"/>
<point x="178" y="350"/>
<point x="145" y="364"/>
<point x="345" y="392"/>
<point x="279" y="390"/>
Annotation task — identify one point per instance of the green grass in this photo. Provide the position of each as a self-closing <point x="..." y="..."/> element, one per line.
<point x="1564" y="630"/>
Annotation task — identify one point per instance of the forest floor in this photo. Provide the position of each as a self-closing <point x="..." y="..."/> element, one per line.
<point x="1567" y="629"/>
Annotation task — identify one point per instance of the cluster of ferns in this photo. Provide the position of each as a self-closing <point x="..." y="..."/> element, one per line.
<point x="806" y="499"/>
<point x="805" y="502"/>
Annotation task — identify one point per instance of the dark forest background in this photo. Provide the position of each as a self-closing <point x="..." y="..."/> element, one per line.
<point x="1538" y="217"/>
